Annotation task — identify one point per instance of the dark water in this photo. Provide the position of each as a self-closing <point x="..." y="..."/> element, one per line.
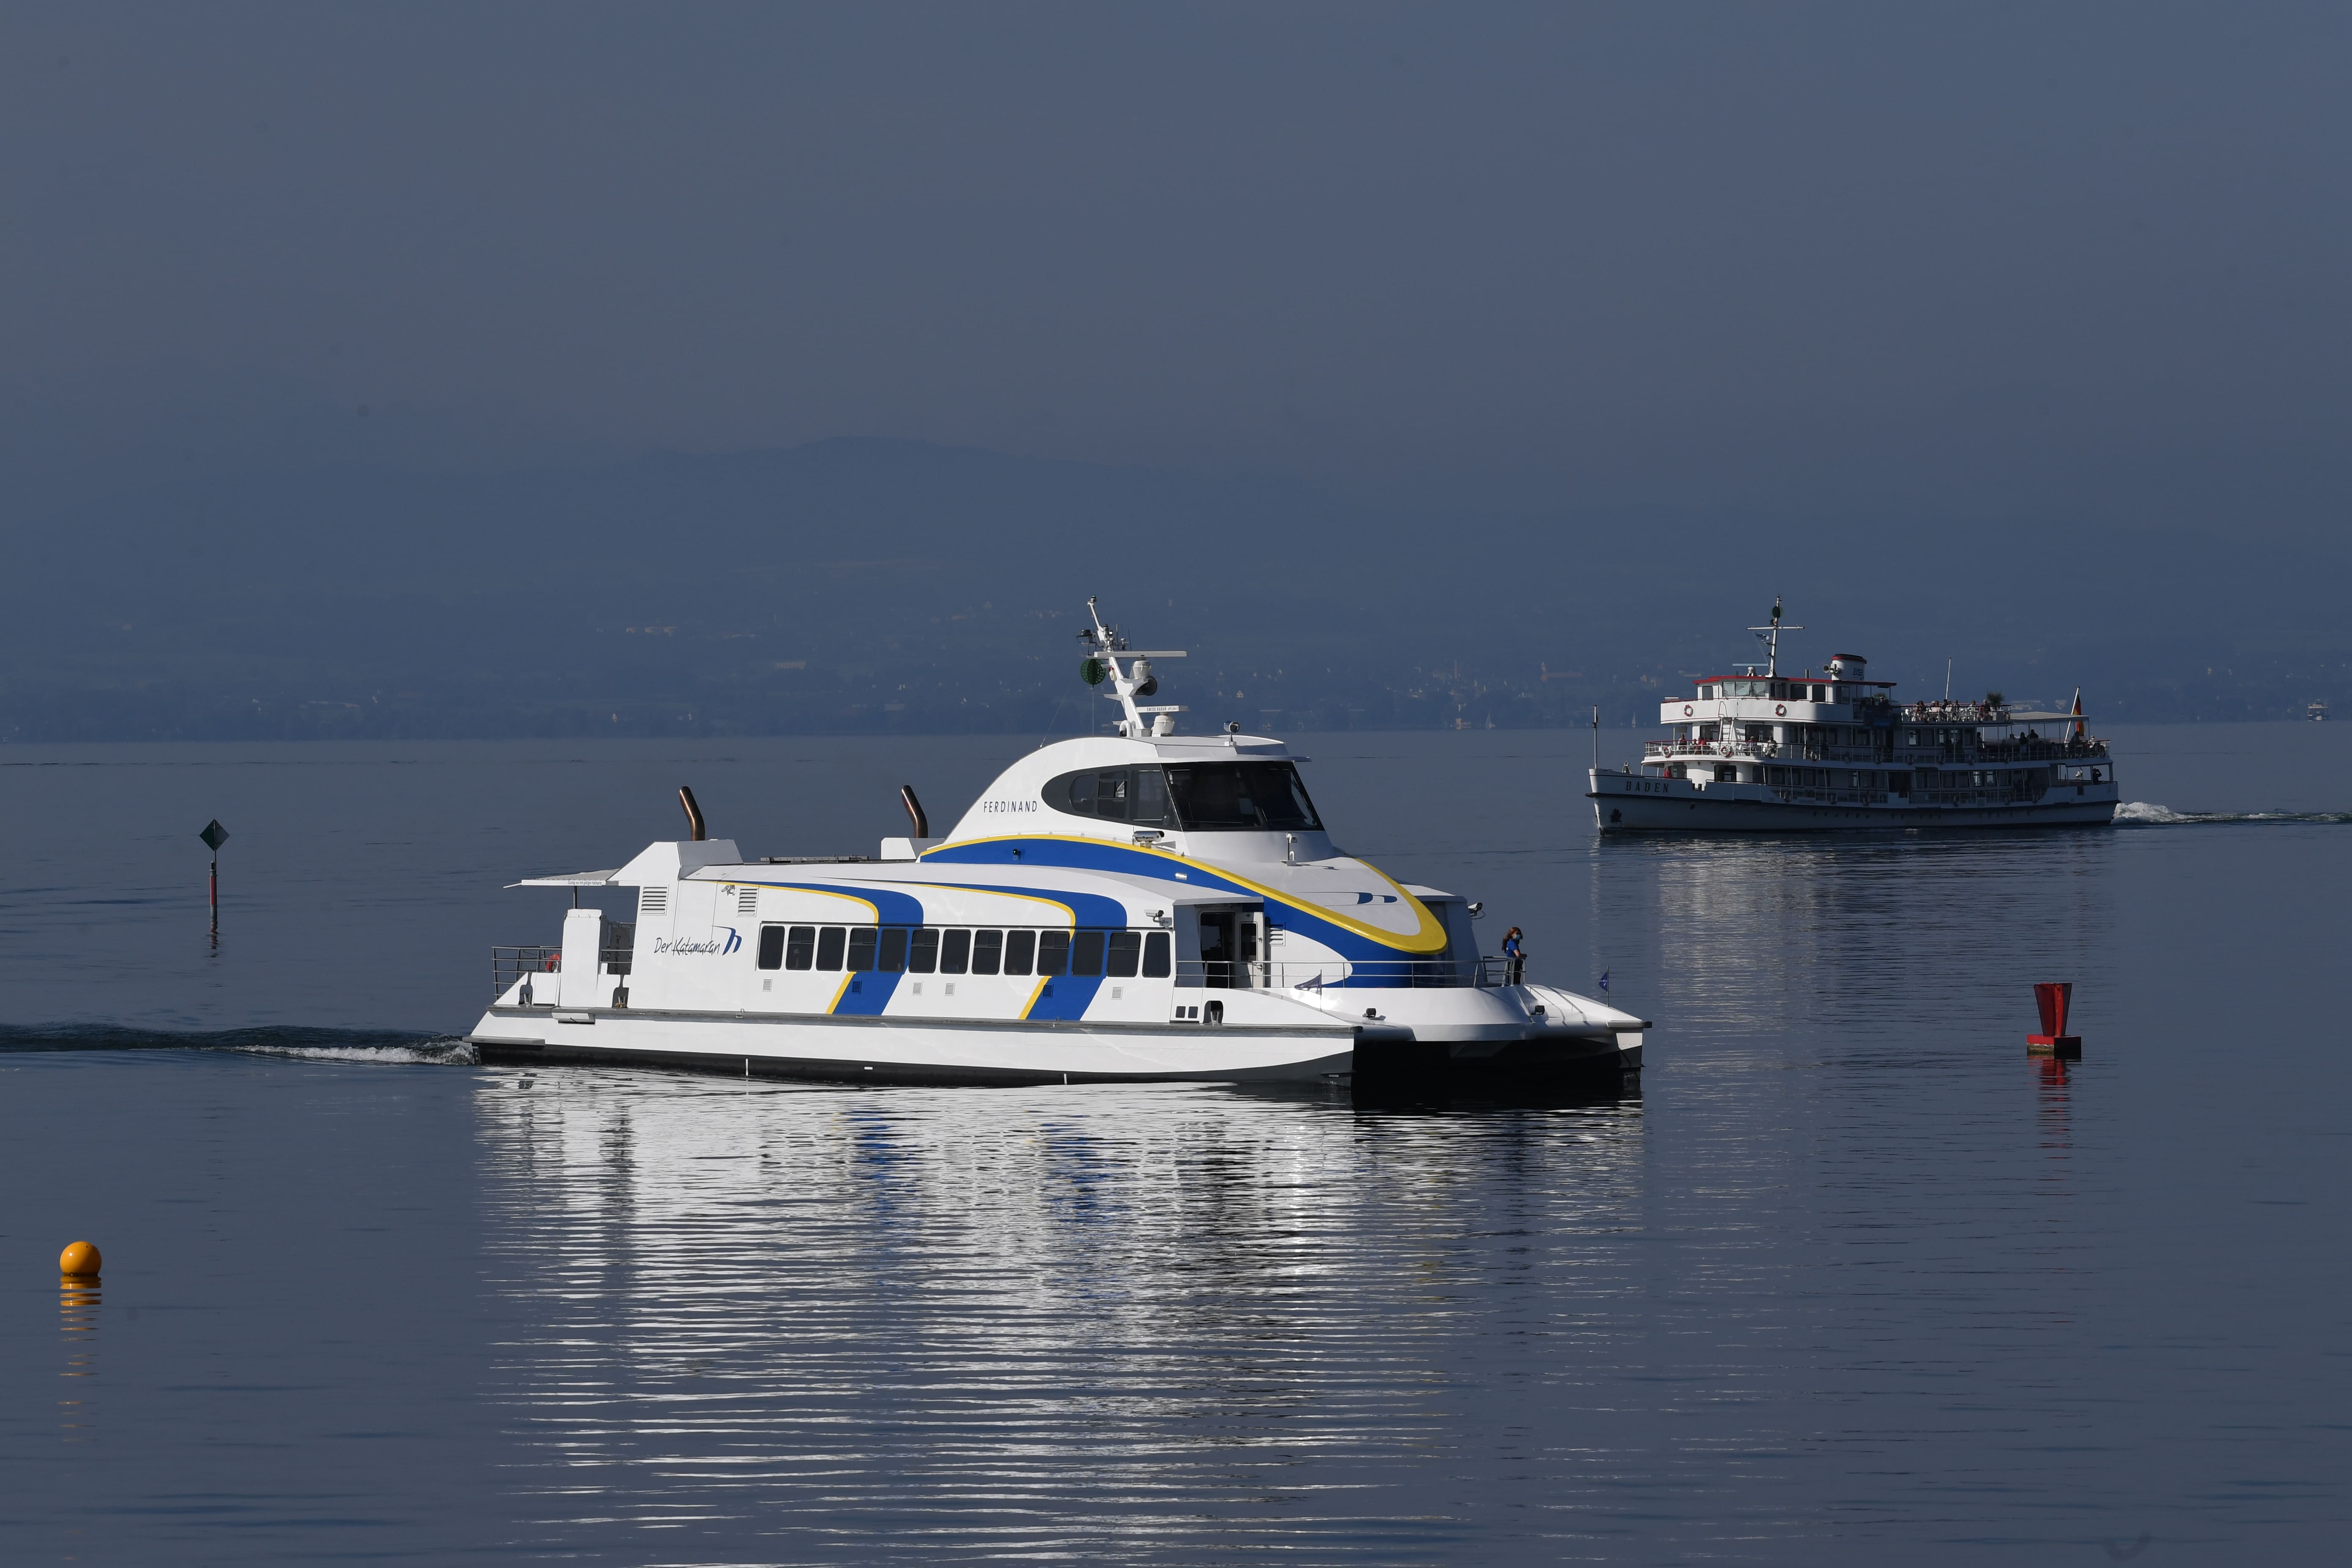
<point x="1851" y="1280"/>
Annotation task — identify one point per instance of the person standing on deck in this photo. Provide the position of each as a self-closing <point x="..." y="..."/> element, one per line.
<point x="1515" y="959"/>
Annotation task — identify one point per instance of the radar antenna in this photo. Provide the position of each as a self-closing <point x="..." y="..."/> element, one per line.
<point x="1127" y="681"/>
<point x="1770" y="637"/>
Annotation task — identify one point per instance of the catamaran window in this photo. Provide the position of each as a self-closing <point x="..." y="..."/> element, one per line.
<point x="923" y="952"/>
<point x="771" y="947"/>
<point x="1136" y="796"/>
<point x="987" y="950"/>
<point x="829" y="942"/>
<point x="1155" y="955"/>
<point x="1214" y="797"/>
<point x="955" y="952"/>
<point x="1052" y="952"/>
<point x="1126" y="951"/>
<point x="1020" y="948"/>
<point x="861" y="948"/>
<point x="801" y="950"/>
<point x="1086" y="952"/>
<point x="1111" y="792"/>
<point x="893" y="957"/>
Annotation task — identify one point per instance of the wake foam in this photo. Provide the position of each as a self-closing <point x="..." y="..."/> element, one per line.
<point x="2144" y="814"/>
<point x="375" y="1046"/>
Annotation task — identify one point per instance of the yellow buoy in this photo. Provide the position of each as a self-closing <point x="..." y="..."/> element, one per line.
<point x="81" y="1258"/>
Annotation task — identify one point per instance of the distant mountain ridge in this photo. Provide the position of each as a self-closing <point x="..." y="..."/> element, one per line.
<point x="861" y="586"/>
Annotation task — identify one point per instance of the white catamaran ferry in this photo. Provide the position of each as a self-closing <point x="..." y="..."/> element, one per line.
<point x="1758" y="751"/>
<point x="1138" y="906"/>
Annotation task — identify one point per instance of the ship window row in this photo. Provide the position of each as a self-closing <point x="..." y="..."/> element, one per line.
<point x="1770" y="690"/>
<point x="963" y="950"/>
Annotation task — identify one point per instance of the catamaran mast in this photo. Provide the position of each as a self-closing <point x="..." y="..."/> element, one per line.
<point x="1132" y="681"/>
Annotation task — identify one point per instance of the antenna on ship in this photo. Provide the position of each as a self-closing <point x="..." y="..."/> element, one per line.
<point x="1105" y="648"/>
<point x="1770" y="637"/>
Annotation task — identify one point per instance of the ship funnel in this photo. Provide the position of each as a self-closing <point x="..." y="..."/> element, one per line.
<point x="693" y="813"/>
<point x="914" y="811"/>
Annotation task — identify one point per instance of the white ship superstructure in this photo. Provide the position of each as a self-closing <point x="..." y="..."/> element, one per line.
<point x="1760" y="751"/>
<point x="1142" y="905"/>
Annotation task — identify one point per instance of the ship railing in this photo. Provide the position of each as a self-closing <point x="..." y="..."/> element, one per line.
<point x="1655" y="748"/>
<point x="510" y="964"/>
<point x="614" y="956"/>
<point x="1339" y="974"/>
<point x="1953" y="714"/>
<point x="1803" y="794"/>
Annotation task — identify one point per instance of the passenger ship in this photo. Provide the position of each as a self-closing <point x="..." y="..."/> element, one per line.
<point x="1137" y="906"/>
<point x="1758" y="751"/>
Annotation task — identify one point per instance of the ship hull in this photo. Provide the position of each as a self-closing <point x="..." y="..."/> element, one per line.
<point x="849" y="1050"/>
<point x="881" y="1050"/>
<point x="1693" y="811"/>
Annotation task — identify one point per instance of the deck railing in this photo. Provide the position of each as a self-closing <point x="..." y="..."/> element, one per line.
<point x="509" y="964"/>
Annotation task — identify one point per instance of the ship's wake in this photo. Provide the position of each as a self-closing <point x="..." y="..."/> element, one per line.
<point x="2145" y="814"/>
<point x="369" y="1046"/>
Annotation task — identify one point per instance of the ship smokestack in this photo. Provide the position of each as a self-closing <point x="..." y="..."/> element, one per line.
<point x="914" y="811"/>
<point x="693" y="813"/>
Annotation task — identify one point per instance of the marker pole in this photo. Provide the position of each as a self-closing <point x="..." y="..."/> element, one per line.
<point x="216" y="898"/>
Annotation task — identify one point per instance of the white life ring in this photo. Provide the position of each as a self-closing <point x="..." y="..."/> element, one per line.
<point x="1687" y="709"/>
<point x="1782" y="712"/>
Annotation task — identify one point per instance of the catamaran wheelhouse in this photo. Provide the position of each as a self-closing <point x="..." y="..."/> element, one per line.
<point x="1139" y="905"/>
<point x="1756" y="750"/>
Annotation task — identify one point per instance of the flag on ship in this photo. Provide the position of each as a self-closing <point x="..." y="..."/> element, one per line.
<point x="1604" y="982"/>
<point x="2078" y="712"/>
<point x="1315" y="984"/>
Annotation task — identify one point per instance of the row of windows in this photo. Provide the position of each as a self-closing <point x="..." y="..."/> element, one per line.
<point x="1780" y="690"/>
<point x="960" y="950"/>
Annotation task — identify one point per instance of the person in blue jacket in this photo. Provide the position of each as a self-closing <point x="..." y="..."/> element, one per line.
<point x="1514" y="958"/>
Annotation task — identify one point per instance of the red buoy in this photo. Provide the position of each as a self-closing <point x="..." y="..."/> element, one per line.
<point x="2053" y="999"/>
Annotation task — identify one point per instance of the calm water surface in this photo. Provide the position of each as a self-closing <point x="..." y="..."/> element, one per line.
<point x="1850" y="1279"/>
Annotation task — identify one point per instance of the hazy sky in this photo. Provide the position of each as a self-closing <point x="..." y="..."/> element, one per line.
<point x="2070" y="261"/>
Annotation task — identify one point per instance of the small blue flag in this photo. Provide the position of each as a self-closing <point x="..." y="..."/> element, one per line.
<point x="1604" y="982"/>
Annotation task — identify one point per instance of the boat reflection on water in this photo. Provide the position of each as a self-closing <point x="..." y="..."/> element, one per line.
<point x="1778" y="936"/>
<point x="1111" y="1320"/>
